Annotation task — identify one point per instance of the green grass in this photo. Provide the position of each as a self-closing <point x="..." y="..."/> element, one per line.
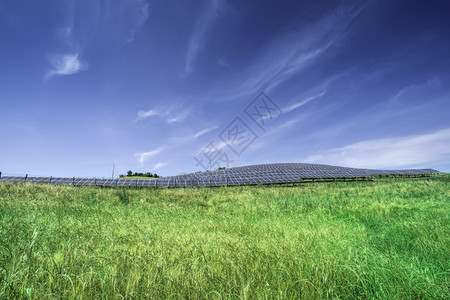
<point x="386" y="239"/>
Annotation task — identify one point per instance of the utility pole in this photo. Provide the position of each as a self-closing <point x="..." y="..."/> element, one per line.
<point x="113" y="171"/>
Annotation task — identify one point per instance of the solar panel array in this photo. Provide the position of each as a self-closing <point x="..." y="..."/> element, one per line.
<point x="247" y="175"/>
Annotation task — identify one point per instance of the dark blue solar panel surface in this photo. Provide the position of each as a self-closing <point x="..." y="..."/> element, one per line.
<point x="246" y="175"/>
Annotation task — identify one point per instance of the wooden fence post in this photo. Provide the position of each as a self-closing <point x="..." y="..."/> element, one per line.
<point x="26" y="176"/>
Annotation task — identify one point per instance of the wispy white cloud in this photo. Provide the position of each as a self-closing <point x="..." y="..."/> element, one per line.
<point x="125" y="18"/>
<point x="223" y="64"/>
<point x="144" y="156"/>
<point x="84" y="20"/>
<point x="216" y="147"/>
<point x="431" y="83"/>
<point x="295" y="106"/>
<point x="168" y="114"/>
<point x="409" y="151"/>
<point x="117" y="21"/>
<point x="66" y="64"/>
<point x="142" y="114"/>
<point x="303" y="102"/>
<point x="140" y="19"/>
<point x="200" y="33"/>
<point x="188" y="138"/>
<point x="284" y="125"/>
<point x="292" y="52"/>
<point x="159" y="165"/>
<point x="178" y="118"/>
<point x="174" y="144"/>
<point x="204" y="131"/>
<point x="270" y="138"/>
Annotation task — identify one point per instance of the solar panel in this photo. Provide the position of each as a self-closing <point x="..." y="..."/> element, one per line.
<point x="245" y="175"/>
<point x="61" y="181"/>
<point x="125" y="182"/>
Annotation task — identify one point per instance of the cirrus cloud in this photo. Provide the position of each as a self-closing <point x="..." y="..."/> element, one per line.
<point x="407" y="151"/>
<point x="144" y="156"/>
<point x="66" y="64"/>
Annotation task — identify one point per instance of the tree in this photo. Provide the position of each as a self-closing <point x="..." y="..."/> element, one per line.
<point x="139" y="174"/>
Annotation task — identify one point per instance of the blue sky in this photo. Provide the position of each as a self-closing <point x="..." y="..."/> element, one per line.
<point x="155" y="85"/>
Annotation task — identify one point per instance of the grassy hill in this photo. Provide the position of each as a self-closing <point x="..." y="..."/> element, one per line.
<point x="385" y="239"/>
<point x="136" y="177"/>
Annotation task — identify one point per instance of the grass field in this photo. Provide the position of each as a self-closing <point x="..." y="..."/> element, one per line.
<point x="386" y="239"/>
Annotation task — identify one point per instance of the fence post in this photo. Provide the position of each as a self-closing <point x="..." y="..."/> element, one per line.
<point x="50" y="182"/>
<point x="0" y="175"/>
<point x="26" y="176"/>
<point x="73" y="181"/>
